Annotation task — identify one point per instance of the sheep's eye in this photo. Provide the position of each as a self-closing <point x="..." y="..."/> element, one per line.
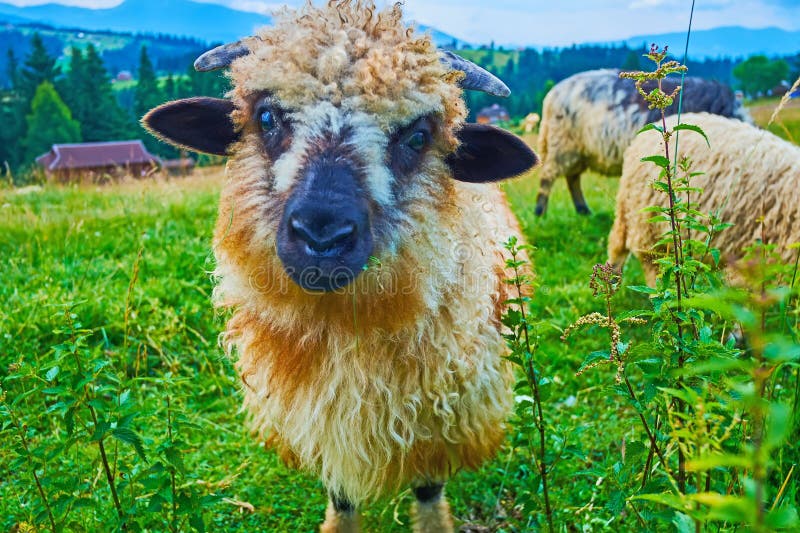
<point x="417" y="141"/>
<point x="267" y="120"/>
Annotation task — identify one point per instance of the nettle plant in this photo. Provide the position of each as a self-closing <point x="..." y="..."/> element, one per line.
<point x="73" y="416"/>
<point x="715" y="384"/>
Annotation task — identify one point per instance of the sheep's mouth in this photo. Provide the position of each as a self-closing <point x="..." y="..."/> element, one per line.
<point x="323" y="270"/>
<point x="316" y="280"/>
<point x="324" y="237"/>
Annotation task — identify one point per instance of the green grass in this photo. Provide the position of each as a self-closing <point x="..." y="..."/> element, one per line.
<point x="787" y="122"/>
<point x="79" y="245"/>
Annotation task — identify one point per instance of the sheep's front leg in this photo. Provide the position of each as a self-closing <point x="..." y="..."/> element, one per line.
<point x="574" y="184"/>
<point x="547" y="177"/>
<point x="430" y="513"/>
<point x="341" y="517"/>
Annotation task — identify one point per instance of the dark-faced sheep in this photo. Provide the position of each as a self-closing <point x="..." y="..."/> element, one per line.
<point x="589" y="119"/>
<point x="748" y="173"/>
<point x="359" y="245"/>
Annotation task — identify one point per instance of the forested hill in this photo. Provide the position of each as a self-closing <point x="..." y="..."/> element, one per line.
<point x="119" y="51"/>
<point x="530" y="72"/>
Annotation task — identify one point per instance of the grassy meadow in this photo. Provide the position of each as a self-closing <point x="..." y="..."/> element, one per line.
<point x="77" y="248"/>
<point x="117" y="279"/>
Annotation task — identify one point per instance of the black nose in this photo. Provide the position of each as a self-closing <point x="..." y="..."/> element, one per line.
<point x="322" y="235"/>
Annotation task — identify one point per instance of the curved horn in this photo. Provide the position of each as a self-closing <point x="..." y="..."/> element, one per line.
<point x="220" y="57"/>
<point x="477" y="78"/>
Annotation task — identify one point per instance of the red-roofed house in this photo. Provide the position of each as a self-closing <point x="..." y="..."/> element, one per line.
<point x="493" y="114"/>
<point x="98" y="160"/>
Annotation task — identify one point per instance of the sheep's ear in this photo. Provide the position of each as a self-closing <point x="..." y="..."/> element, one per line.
<point x="489" y="154"/>
<point x="201" y="124"/>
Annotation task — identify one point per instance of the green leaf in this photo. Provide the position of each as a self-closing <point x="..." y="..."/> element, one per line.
<point x="643" y="289"/>
<point x="124" y="397"/>
<point x="126" y="420"/>
<point x="649" y="127"/>
<point x="715" y="255"/>
<point x="196" y="521"/>
<point x="658" y="160"/>
<point x="52" y="373"/>
<point x="783" y="518"/>
<point x="100" y="430"/>
<point x="129" y="436"/>
<point x="779" y="425"/>
<point x="726" y="508"/>
<point x="616" y="502"/>
<point x="175" y="458"/>
<point x="710" y="462"/>
<point x="602" y="355"/>
<point x="683" y="523"/>
<point x="155" y="504"/>
<point x="692" y="127"/>
<point x="670" y="500"/>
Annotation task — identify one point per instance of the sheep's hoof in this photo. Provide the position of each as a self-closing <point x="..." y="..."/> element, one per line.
<point x="583" y="209"/>
<point x="540" y="210"/>
<point x="340" y="517"/>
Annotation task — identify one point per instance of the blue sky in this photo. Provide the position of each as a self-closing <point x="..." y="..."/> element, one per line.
<point x="558" y="22"/>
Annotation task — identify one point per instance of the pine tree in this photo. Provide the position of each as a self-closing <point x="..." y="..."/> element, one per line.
<point x="103" y="119"/>
<point x="87" y="92"/>
<point x="12" y="116"/>
<point x="50" y="121"/>
<point x="170" y="88"/>
<point x="12" y="69"/>
<point x="204" y="83"/>
<point x="148" y="94"/>
<point x="39" y="66"/>
<point x="632" y="61"/>
<point x="72" y="88"/>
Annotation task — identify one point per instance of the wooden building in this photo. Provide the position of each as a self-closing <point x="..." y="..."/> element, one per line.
<point x="98" y="161"/>
<point x="493" y="114"/>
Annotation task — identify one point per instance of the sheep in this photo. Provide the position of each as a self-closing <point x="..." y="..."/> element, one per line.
<point x="590" y="118"/>
<point x="530" y="122"/>
<point x="359" y="247"/>
<point x="748" y="173"/>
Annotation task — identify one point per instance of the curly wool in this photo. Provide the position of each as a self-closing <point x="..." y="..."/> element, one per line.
<point x="749" y="174"/>
<point x="353" y="56"/>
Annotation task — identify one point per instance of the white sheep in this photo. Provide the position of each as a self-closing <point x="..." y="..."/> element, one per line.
<point x="749" y="173"/>
<point x="590" y="118"/>
<point x="359" y="246"/>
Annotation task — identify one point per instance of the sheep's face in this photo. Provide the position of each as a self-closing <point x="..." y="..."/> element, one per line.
<point x="338" y="184"/>
<point x="342" y="131"/>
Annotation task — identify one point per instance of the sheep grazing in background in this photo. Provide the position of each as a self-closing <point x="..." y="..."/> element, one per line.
<point x="530" y="122"/>
<point x="359" y="245"/>
<point x="748" y="173"/>
<point x="589" y="119"/>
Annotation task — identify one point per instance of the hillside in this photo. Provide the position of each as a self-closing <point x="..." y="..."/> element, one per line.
<point x="120" y="51"/>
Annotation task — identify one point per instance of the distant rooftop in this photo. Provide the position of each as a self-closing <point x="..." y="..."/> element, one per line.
<point x="94" y="155"/>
